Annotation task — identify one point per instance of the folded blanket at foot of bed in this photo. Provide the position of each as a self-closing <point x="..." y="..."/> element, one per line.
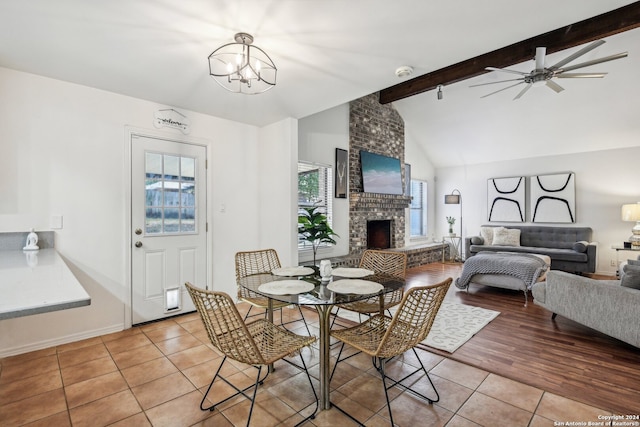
<point x="526" y="267"/>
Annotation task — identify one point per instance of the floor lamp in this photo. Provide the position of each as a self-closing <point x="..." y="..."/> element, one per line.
<point x="456" y="199"/>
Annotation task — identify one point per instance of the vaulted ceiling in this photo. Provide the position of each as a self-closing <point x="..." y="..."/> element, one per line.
<point x="329" y="52"/>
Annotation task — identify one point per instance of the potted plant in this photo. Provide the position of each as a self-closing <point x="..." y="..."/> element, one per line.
<point x="314" y="228"/>
<point x="451" y="220"/>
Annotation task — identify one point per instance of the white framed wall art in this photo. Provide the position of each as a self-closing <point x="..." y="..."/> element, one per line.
<point x="506" y="199"/>
<point x="553" y="198"/>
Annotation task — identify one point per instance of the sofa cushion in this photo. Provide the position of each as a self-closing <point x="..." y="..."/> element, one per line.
<point x="506" y="237"/>
<point x="487" y="234"/>
<point x="633" y="261"/>
<point x="630" y="277"/>
<point x="580" y="246"/>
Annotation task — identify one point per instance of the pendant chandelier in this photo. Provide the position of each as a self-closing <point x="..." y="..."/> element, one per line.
<point x="241" y="67"/>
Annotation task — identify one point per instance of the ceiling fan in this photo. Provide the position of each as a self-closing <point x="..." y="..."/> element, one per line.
<point x="542" y="75"/>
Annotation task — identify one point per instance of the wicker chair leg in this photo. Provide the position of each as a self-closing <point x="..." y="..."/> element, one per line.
<point x="433" y="386"/>
<point x="335" y="316"/>
<point x="381" y="363"/>
<point x="379" y="367"/>
<point x="238" y="391"/>
<point x="246" y="316"/>
<point x="335" y="365"/>
<point x="304" y="321"/>
<point x="315" y="395"/>
<point x="340" y="360"/>
<point x="253" y="398"/>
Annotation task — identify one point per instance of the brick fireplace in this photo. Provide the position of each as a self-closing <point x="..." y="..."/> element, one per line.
<point x="378" y="129"/>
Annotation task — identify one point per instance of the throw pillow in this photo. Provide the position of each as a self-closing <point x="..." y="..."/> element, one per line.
<point x="580" y="246"/>
<point x="506" y="236"/>
<point x="633" y="261"/>
<point x="631" y="276"/>
<point x="477" y="240"/>
<point x="487" y="234"/>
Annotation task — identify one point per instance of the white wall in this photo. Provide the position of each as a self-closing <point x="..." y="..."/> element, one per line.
<point x="421" y="169"/>
<point x="278" y="189"/>
<point x="605" y="180"/>
<point x="63" y="153"/>
<point x="319" y="136"/>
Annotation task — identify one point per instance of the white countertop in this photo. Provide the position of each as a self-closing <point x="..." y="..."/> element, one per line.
<point x="34" y="282"/>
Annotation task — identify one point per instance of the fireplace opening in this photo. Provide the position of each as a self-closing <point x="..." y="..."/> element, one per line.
<point x="379" y="234"/>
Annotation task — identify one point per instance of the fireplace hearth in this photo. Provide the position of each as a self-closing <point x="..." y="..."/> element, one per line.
<point x="379" y="234"/>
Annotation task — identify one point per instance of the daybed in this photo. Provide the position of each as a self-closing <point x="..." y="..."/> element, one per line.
<point x="570" y="248"/>
<point x="609" y="306"/>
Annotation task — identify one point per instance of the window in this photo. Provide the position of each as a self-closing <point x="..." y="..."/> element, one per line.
<point x="315" y="183"/>
<point x="418" y="207"/>
<point x="170" y="194"/>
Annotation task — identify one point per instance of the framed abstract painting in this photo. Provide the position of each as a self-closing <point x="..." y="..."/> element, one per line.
<point x="553" y="198"/>
<point x="506" y="199"/>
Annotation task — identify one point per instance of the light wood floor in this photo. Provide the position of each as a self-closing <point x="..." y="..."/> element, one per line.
<point x="559" y="356"/>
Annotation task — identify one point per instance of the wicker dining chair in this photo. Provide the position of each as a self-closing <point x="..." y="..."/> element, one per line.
<point x="383" y="337"/>
<point x="388" y="262"/>
<point x="249" y="263"/>
<point x="258" y="343"/>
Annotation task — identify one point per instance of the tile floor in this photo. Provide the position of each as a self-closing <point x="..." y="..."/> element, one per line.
<point x="155" y="375"/>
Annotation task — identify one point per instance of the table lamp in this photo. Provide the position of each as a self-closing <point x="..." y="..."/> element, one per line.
<point x="631" y="212"/>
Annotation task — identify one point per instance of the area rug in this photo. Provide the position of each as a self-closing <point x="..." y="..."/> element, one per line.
<point x="454" y="325"/>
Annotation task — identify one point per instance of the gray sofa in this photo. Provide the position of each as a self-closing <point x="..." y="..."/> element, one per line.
<point x="603" y="305"/>
<point x="570" y="248"/>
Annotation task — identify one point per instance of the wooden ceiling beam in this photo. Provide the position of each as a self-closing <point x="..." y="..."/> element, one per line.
<point x="610" y="23"/>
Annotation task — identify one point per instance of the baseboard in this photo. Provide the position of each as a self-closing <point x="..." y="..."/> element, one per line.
<point x="6" y="352"/>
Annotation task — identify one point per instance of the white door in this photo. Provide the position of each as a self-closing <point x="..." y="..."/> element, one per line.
<point x="168" y="226"/>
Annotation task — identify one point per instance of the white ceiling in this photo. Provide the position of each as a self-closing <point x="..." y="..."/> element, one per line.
<point x="328" y="52"/>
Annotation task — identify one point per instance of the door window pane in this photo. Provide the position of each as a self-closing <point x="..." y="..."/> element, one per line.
<point x="153" y="165"/>
<point x="153" y="220"/>
<point x="171" y="167"/>
<point x="188" y="220"/>
<point x="187" y="168"/>
<point x="169" y="194"/>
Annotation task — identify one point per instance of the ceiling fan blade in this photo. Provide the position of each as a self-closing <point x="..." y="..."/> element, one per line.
<point x="555" y="86"/>
<point x="504" y="70"/>
<point x="577" y="54"/>
<point x="504" y="88"/>
<point x="523" y="91"/>
<point x="594" y="62"/>
<point x="581" y="75"/>
<point x="501" y="81"/>
<point x="540" y="54"/>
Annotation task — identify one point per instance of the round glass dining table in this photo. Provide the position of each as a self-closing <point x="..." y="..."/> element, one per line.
<point x="323" y="300"/>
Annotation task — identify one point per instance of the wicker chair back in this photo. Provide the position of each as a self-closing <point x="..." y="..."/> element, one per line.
<point x="389" y="262"/>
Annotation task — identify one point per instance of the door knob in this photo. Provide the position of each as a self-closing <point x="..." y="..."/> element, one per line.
<point x="138" y="244"/>
<point x="138" y="231"/>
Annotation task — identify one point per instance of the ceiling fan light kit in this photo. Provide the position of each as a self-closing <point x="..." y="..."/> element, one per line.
<point x="543" y="76"/>
<point x="241" y="67"/>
